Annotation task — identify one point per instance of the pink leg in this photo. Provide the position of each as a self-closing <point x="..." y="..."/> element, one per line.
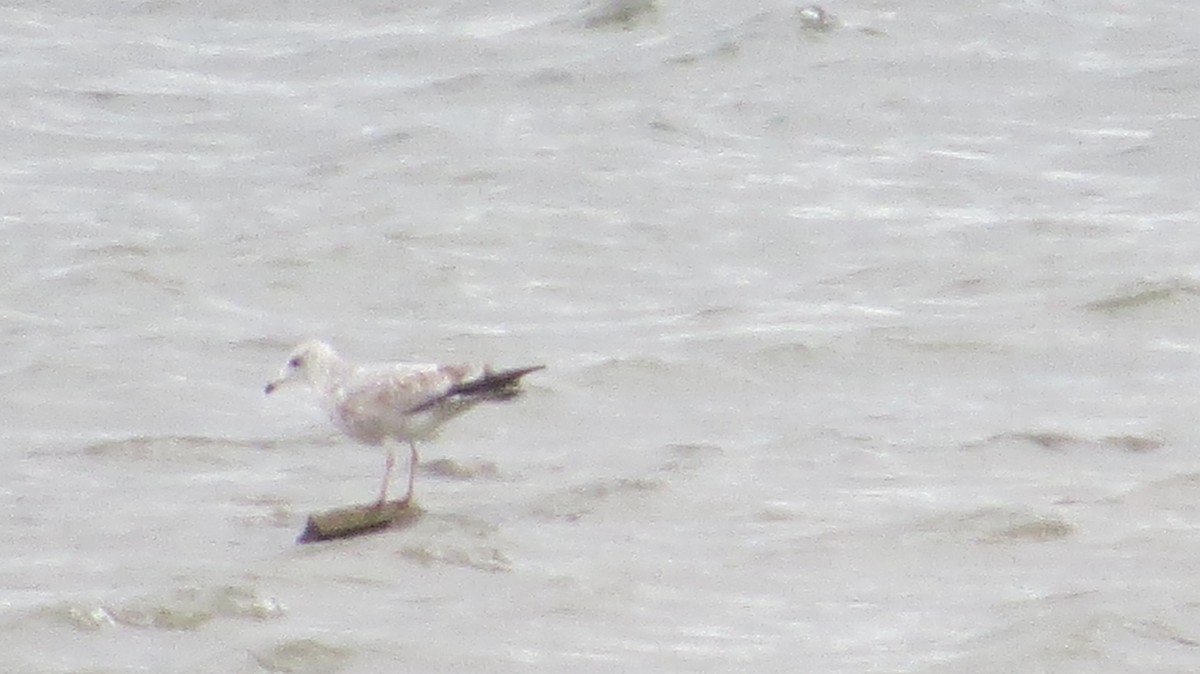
<point x="412" y="468"/>
<point x="387" y="476"/>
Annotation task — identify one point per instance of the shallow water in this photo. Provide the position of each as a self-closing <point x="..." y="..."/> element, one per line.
<point x="871" y="345"/>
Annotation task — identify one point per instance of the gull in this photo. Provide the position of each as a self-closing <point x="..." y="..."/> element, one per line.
<point x="377" y="403"/>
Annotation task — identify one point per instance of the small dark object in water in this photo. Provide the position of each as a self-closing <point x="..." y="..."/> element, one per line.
<point x="815" y="19"/>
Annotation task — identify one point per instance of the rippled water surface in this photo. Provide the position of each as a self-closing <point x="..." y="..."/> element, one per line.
<point x="871" y="334"/>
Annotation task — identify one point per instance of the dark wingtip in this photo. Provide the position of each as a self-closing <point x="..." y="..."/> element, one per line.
<point x="270" y="387"/>
<point x="504" y="384"/>
<point x="507" y="378"/>
<point x="501" y="385"/>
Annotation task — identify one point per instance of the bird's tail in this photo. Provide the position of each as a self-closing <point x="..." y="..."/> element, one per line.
<point x="500" y="385"/>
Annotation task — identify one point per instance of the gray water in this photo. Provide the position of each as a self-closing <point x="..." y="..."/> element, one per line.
<point x="872" y="344"/>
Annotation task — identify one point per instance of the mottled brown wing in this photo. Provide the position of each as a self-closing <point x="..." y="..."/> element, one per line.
<point x="489" y="385"/>
<point x="379" y="401"/>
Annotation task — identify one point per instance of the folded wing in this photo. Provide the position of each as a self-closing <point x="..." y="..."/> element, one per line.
<point x="410" y="402"/>
<point x="489" y="385"/>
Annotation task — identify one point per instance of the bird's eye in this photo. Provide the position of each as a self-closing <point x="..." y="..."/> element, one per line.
<point x="295" y="362"/>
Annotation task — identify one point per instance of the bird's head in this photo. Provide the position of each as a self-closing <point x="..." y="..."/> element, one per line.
<point x="308" y="363"/>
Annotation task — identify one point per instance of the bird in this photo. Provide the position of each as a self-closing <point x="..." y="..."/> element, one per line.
<point x="376" y="404"/>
